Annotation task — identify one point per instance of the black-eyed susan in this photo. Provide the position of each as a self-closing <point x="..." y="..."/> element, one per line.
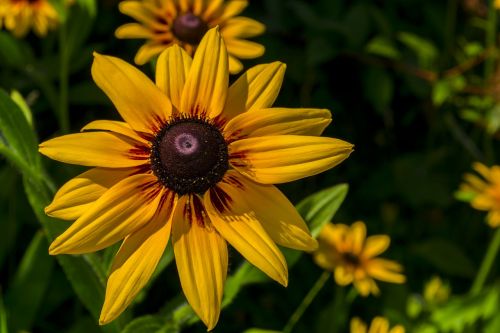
<point x="378" y="325"/>
<point x="19" y="16"/>
<point x="484" y="193"/>
<point x="352" y="257"/>
<point x="195" y="159"/>
<point x="184" y="22"/>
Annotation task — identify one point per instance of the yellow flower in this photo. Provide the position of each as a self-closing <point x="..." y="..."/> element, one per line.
<point x="435" y="291"/>
<point x="497" y="4"/>
<point x="378" y="325"/>
<point x="485" y="191"/>
<point x="20" y="16"/>
<point x="352" y="257"/>
<point x="184" y="22"/>
<point x="194" y="158"/>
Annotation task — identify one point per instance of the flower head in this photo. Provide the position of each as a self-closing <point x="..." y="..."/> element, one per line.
<point x="20" y="16"/>
<point x="194" y="160"/>
<point x="484" y="192"/>
<point x="378" y="325"/>
<point x="436" y="291"/>
<point x="184" y="22"/>
<point x="352" y="256"/>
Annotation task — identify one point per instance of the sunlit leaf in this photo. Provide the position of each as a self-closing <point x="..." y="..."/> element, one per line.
<point x="463" y="311"/>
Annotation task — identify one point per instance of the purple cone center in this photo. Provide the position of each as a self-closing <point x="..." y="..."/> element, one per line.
<point x="189" y="156"/>
<point x="189" y="28"/>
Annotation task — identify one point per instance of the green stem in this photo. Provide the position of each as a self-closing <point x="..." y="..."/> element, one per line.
<point x="63" y="80"/>
<point x="306" y="302"/>
<point x="487" y="263"/>
<point x="491" y="34"/>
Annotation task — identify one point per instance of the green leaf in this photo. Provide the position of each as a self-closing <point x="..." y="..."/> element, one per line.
<point x="61" y="9"/>
<point x="13" y="52"/>
<point x="83" y="272"/>
<point x="259" y="330"/>
<point x="19" y="100"/>
<point x="149" y="324"/>
<point x="3" y="316"/>
<point x="464" y="311"/>
<point x="384" y="47"/>
<point x="320" y="208"/>
<point x="89" y="5"/>
<point x="19" y="137"/>
<point x="78" y="28"/>
<point x="27" y="289"/>
<point x="446" y="257"/>
<point x="424" y="49"/>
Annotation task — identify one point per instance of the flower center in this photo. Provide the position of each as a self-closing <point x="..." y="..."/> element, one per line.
<point x="189" y="156"/>
<point x="189" y="28"/>
<point x="351" y="259"/>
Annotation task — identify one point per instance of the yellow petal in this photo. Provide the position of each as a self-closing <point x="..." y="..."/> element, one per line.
<point x="214" y="8"/>
<point x="77" y="196"/>
<point x="101" y="149"/>
<point x="285" y="158"/>
<point x="147" y="52"/>
<point x="482" y="169"/>
<point x="172" y="69"/>
<point x="343" y="276"/>
<point x="493" y="219"/>
<point x="231" y="8"/>
<point x="139" y="12"/>
<point x="133" y="30"/>
<point x="323" y="260"/>
<point x="256" y="89"/>
<point x="140" y="103"/>
<point x="242" y="27"/>
<point x="278" y="121"/>
<point x="275" y="213"/>
<point x="357" y="326"/>
<point x="120" y="211"/>
<point x="385" y="270"/>
<point x="379" y="325"/>
<point x="341" y="237"/>
<point x="366" y="287"/>
<point x="135" y="262"/>
<point x="244" y="49"/>
<point x="201" y="259"/>
<point x="375" y="245"/>
<point x="235" y="66"/>
<point x="238" y="224"/>
<point x="397" y="329"/>
<point x="119" y="127"/>
<point x="358" y="233"/>
<point x="205" y="89"/>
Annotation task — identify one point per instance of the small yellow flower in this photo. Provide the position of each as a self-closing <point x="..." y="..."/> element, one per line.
<point x="485" y="191"/>
<point x="497" y="4"/>
<point x="378" y="325"/>
<point x="435" y="291"/>
<point x="194" y="159"/>
<point x="184" y="22"/>
<point x="20" y="16"/>
<point x="351" y="256"/>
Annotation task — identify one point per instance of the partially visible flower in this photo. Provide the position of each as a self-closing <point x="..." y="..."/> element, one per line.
<point x="20" y="16"/>
<point x="194" y="162"/>
<point x="352" y="257"/>
<point x="378" y="325"/>
<point x="184" y="22"/>
<point x="484" y="192"/>
<point x="436" y="291"/>
<point x="497" y="4"/>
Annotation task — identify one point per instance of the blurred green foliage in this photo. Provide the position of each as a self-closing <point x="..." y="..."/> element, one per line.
<point x="413" y="84"/>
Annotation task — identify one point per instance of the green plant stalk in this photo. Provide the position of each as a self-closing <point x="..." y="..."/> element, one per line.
<point x="306" y="302"/>
<point x="491" y="34"/>
<point x="63" y="80"/>
<point x="487" y="263"/>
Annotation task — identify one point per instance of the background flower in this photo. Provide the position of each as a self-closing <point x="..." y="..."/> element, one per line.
<point x="352" y="257"/>
<point x="184" y="22"/>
